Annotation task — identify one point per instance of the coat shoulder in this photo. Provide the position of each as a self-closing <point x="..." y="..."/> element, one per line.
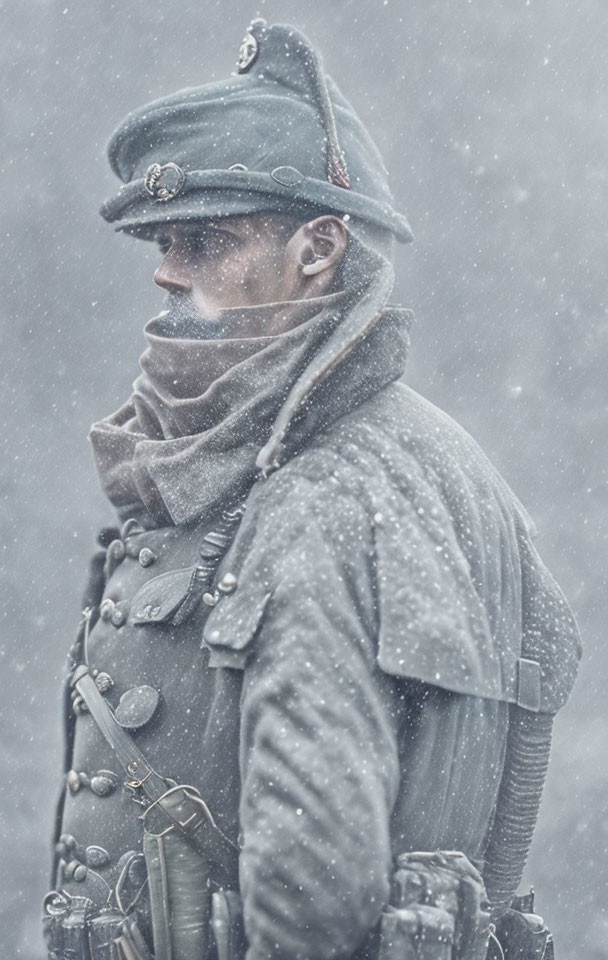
<point x="402" y="493"/>
<point x="394" y="436"/>
<point x="399" y="427"/>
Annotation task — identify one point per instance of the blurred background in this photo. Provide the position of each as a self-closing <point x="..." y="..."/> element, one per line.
<point x="491" y="117"/>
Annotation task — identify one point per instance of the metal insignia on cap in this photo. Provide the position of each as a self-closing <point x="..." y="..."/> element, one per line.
<point x="164" y="181"/>
<point x="248" y="52"/>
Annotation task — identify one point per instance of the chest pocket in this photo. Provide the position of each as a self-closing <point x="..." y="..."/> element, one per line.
<point x="169" y="598"/>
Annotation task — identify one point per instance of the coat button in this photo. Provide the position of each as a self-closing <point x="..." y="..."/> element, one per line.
<point x="132" y="547"/>
<point x="73" y="781"/>
<point x="146" y="556"/>
<point x="137" y="707"/>
<point x="116" y="551"/>
<point x="80" y="873"/>
<point x="119" y="614"/>
<point x="103" y="783"/>
<point x="66" y="846"/>
<point x="96" y="856"/>
<point x="107" y="609"/>
<point x="228" y="583"/>
<point x="114" y="556"/>
<point x="68" y="869"/>
<point x="75" y="870"/>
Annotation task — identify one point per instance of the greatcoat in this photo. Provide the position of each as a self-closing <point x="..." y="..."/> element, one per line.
<point x="353" y="697"/>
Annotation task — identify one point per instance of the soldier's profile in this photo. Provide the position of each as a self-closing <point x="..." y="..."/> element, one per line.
<point x="310" y="702"/>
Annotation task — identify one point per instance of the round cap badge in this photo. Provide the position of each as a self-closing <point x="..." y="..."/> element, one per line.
<point x="164" y="181"/>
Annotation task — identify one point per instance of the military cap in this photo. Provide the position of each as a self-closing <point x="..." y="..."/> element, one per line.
<point x="277" y="135"/>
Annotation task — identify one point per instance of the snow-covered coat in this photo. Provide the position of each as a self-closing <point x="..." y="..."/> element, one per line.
<point x="388" y="552"/>
<point x="351" y="699"/>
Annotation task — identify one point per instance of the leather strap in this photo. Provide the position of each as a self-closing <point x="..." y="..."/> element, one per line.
<point x="179" y="806"/>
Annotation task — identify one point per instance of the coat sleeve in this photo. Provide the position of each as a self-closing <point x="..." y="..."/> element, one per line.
<point x="319" y="759"/>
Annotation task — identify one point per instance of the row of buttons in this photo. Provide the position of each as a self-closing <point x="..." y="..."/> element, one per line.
<point x="102" y="783"/>
<point x="117" y="612"/>
<point x="119" y="549"/>
<point x="126" y="545"/>
<point x="76" y="858"/>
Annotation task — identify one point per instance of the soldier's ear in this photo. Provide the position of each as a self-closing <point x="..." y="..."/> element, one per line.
<point x="320" y="244"/>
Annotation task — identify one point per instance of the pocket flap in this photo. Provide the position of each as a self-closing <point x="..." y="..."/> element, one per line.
<point x="232" y="626"/>
<point x="160" y="599"/>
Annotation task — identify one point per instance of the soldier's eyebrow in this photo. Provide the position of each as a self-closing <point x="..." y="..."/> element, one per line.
<point x="196" y="233"/>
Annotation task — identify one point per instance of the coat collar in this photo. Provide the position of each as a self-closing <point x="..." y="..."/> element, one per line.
<point x="206" y="418"/>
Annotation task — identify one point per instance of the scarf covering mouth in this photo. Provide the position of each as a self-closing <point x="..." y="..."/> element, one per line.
<point x="206" y="416"/>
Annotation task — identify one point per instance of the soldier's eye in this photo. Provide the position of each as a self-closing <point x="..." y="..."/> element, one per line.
<point x="164" y="245"/>
<point x="210" y="243"/>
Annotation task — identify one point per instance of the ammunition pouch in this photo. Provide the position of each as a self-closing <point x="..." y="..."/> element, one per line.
<point x="75" y="930"/>
<point x="438" y="910"/>
<point x="522" y="934"/>
<point x="64" y="924"/>
<point x="186" y="919"/>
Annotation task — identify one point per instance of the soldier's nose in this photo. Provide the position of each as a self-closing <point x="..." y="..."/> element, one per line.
<point x="172" y="277"/>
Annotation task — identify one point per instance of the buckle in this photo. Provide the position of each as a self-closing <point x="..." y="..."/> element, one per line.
<point x="186" y="810"/>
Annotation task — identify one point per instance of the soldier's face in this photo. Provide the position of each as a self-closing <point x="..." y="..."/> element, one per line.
<point x="230" y="262"/>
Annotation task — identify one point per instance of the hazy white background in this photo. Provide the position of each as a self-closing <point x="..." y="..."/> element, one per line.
<point x="492" y="120"/>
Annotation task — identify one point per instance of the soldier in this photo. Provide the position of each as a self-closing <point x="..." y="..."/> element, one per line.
<point x="319" y="653"/>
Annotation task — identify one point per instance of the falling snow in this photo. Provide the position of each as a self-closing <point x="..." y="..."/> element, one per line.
<point x="492" y="124"/>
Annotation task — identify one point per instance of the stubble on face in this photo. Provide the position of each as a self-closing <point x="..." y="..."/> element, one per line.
<point x="216" y="265"/>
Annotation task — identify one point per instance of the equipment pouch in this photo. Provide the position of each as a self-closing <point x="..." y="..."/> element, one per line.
<point x="438" y="909"/>
<point x="65" y="923"/>
<point x="421" y="932"/>
<point x="103" y="932"/>
<point x="524" y="936"/>
<point x="114" y="936"/>
<point x="180" y="900"/>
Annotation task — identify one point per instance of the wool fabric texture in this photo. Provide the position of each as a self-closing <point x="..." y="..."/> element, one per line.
<point x="187" y="440"/>
<point x="252" y="143"/>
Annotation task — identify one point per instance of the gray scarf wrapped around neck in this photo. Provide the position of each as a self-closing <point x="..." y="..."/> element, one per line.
<point x="206" y="415"/>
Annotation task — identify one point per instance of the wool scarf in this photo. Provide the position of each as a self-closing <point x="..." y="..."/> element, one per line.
<point x="185" y="444"/>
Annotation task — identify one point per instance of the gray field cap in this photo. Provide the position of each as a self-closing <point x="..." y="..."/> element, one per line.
<point x="276" y="136"/>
